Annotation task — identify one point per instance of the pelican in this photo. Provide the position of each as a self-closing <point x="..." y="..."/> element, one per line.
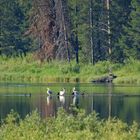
<point x="49" y="92"/>
<point x="62" y="99"/>
<point x="61" y="92"/>
<point x="74" y="92"/>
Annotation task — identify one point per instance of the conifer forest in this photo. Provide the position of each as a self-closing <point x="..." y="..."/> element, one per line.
<point x="87" y="31"/>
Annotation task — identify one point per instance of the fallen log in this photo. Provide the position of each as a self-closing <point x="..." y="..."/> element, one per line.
<point x="105" y="79"/>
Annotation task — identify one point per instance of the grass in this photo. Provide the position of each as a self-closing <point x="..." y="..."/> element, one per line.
<point x="129" y="73"/>
<point x="74" y="126"/>
<point x="29" y="70"/>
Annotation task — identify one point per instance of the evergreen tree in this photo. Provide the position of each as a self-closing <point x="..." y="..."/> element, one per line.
<point x="130" y="40"/>
<point x="119" y="17"/>
<point x="13" y="26"/>
<point x="88" y="29"/>
<point x="79" y="14"/>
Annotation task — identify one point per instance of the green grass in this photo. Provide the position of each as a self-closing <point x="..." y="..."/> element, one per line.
<point x="129" y="73"/>
<point x="29" y="70"/>
<point x="74" y="126"/>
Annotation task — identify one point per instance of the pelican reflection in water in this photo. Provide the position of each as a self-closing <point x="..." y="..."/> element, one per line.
<point x="75" y="101"/>
<point x="49" y="98"/>
<point x="49" y="107"/>
<point x="62" y="100"/>
<point x="75" y="97"/>
<point x="61" y="96"/>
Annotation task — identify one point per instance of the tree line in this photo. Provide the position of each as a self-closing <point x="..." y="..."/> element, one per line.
<point x="87" y="31"/>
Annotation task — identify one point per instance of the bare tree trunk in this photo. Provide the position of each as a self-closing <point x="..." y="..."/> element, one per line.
<point x="50" y="23"/>
<point x="76" y="38"/>
<point x="91" y="30"/>
<point x="108" y="26"/>
<point x="109" y="35"/>
<point x="63" y="14"/>
<point x="77" y="48"/>
<point x="62" y="30"/>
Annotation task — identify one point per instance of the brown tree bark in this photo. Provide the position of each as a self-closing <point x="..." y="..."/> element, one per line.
<point x="50" y="24"/>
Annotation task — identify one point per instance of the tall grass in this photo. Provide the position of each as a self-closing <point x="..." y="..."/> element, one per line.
<point x="129" y="73"/>
<point x="29" y="70"/>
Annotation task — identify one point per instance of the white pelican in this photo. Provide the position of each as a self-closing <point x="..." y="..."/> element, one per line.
<point x="49" y="92"/>
<point x="62" y="92"/>
<point x="74" y="92"/>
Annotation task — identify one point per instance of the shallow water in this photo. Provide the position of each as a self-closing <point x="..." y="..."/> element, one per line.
<point x="108" y="100"/>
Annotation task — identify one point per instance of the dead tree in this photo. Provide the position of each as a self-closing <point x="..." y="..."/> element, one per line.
<point x="50" y="26"/>
<point x="91" y="30"/>
<point x="62" y="30"/>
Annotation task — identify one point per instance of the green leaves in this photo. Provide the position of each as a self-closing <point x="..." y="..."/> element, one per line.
<point x="13" y="26"/>
<point x="129" y="40"/>
<point x="67" y="126"/>
<point x="124" y="20"/>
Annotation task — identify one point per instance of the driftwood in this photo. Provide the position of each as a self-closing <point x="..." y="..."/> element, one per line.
<point x="105" y="79"/>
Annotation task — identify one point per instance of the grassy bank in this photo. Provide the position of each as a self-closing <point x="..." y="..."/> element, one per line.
<point x="28" y="70"/>
<point x="75" y="126"/>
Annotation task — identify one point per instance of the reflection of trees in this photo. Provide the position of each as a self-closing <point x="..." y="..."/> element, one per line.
<point x="75" y="101"/>
<point x="20" y="104"/>
<point x="100" y="105"/>
<point x="103" y="104"/>
<point x="109" y="99"/>
<point x="130" y="110"/>
<point x="125" y="107"/>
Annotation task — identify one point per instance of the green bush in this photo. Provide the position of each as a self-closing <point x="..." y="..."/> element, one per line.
<point x="74" y="126"/>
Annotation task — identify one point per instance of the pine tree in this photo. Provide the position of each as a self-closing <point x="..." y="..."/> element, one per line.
<point x="130" y="40"/>
<point x="13" y="26"/>
<point x="120" y="11"/>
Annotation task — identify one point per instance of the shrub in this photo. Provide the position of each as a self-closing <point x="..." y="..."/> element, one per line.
<point x="74" y="126"/>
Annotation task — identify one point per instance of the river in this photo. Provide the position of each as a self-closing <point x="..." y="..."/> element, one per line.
<point x="108" y="100"/>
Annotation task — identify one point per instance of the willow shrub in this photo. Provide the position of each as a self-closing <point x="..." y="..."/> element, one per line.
<point x="73" y="126"/>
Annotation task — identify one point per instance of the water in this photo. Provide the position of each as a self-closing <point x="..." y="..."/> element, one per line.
<point x="118" y="101"/>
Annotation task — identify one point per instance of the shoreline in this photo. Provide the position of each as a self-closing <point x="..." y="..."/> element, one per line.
<point x="48" y="79"/>
<point x="29" y="70"/>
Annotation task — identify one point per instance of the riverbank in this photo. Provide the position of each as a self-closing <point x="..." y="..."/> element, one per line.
<point x="28" y="70"/>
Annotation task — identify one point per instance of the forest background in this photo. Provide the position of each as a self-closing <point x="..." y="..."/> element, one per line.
<point x="69" y="40"/>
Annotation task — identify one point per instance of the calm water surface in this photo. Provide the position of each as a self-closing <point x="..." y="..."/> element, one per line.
<point x="108" y="100"/>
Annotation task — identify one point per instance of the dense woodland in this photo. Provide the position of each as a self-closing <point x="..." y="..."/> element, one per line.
<point x="85" y="30"/>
